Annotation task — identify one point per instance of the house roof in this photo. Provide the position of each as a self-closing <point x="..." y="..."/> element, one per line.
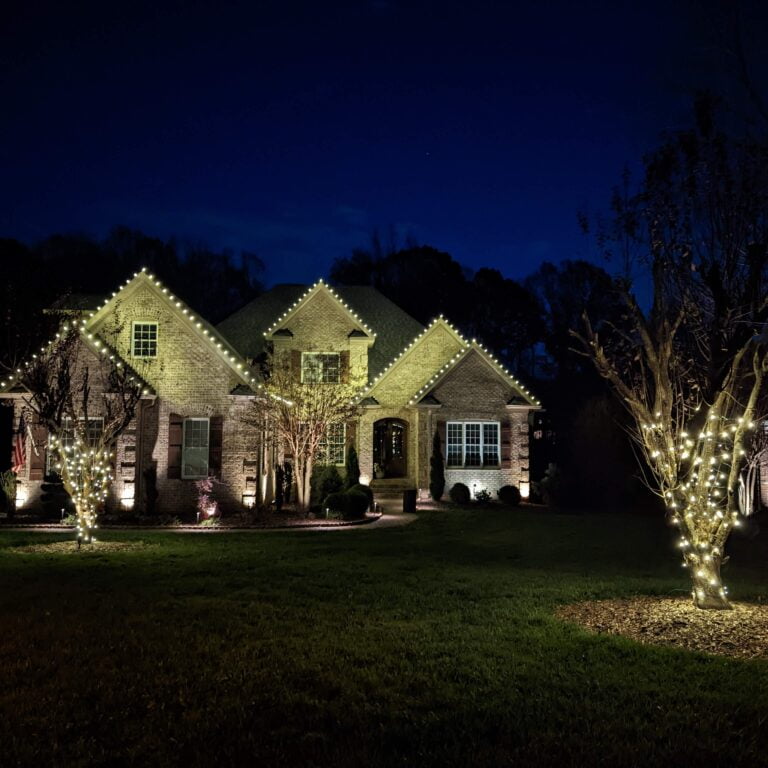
<point x="77" y="302"/>
<point x="393" y="327"/>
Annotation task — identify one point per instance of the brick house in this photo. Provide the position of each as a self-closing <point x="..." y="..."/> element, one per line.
<point x="200" y="380"/>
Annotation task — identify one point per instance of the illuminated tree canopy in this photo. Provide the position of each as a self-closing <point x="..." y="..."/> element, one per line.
<point x="690" y="369"/>
<point x="86" y="398"/>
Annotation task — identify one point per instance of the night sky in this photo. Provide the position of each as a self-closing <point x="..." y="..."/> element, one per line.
<point x="294" y="130"/>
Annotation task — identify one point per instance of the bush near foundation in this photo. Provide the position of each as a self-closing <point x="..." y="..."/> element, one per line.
<point x="459" y="494"/>
<point x="367" y="490"/>
<point x="509" y="495"/>
<point x="346" y="505"/>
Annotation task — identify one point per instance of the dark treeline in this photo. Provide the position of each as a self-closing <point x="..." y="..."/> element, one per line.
<point x="525" y="323"/>
<point x="35" y="278"/>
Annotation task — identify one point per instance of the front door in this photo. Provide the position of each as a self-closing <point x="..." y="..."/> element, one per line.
<point x="390" y="448"/>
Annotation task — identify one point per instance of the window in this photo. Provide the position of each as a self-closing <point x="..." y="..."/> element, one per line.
<point x="319" y="368"/>
<point x="473" y="444"/>
<point x="194" y="448"/>
<point x="67" y="438"/>
<point x="144" y="340"/>
<point x="331" y="448"/>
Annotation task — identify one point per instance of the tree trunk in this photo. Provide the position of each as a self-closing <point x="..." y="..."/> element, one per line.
<point x="86" y="524"/>
<point x="708" y="592"/>
<point x="307" y="486"/>
<point x="303" y="484"/>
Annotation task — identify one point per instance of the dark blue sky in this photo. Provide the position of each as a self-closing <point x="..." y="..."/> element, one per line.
<point x="295" y="129"/>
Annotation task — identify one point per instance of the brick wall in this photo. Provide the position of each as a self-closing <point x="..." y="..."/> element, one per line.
<point x="410" y="373"/>
<point x="190" y="379"/>
<point x="322" y="325"/>
<point x="473" y="391"/>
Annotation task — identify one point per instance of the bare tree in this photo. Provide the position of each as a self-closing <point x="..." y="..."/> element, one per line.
<point x="690" y="368"/>
<point x="299" y="412"/>
<point x="85" y="397"/>
<point x="749" y="480"/>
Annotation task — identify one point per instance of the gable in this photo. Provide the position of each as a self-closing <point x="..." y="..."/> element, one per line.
<point x="472" y="377"/>
<point x="417" y="364"/>
<point x="322" y="322"/>
<point x="392" y="328"/>
<point x="191" y="356"/>
<point x="472" y="384"/>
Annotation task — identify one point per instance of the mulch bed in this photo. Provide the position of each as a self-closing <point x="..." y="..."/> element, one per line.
<point x="226" y="524"/>
<point x="70" y="547"/>
<point x="741" y="633"/>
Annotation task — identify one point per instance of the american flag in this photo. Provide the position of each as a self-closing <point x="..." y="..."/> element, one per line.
<point x="20" y="447"/>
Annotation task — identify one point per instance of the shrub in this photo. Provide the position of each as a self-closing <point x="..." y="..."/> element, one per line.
<point x="436" y="469"/>
<point x="510" y="495"/>
<point x="325" y="481"/>
<point x="55" y="499"/>
<point x="151" y="493"/>
<point x="347" y="505"/>
<point x="279" y="487"/>
<point x="357" y="505"/>
<point x="551" y="485"/>
<point x="459" y="494"/>
<point x="208" y="491"/>
<point x="8" y="493"/>
<point x="352" y="469"/>
<point x="367" y="490"/>
<point x="287" y="481"/>
<point x="336" y="502"/>
<point x="483" y="496"/>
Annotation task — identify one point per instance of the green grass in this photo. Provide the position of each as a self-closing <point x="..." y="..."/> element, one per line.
<point x="431" y="644"/>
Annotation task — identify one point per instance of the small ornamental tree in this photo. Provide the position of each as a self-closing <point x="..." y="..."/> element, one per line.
<point x="298" y="413"/>
<point x="436" y="469"/>
<point x="85" y="397"/>
<point x="352" y="468"/>
<point x="690" y="367"/>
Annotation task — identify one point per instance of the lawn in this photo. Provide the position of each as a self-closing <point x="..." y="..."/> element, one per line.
<point x="430" y="644"/>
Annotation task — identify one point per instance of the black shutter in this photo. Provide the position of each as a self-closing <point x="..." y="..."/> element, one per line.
<point x="506" y="444"/>
<point x="175" y="438"/>
<point x="38" y="443"/>
<point x="214" y="446"/>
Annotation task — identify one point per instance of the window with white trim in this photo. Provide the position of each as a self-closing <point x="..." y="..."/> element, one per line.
<point x="144" y="339"/>
<point x="331" y="448"/>
<point x="194" y="448"/>
<point x="473" y="443"/>
<point x="67" y="436"/>
<point x="320" y="367"/>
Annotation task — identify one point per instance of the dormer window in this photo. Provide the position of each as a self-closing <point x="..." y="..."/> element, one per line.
<point x="320" y="368"/>
<point x="144" y="340"/>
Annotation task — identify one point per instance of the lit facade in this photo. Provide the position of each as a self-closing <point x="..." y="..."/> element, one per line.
<point x="414" y="381"/>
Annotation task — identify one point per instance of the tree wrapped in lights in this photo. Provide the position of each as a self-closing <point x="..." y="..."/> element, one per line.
<point x="74" y="384"/>
<point x="690" y="369"/>
<point x="299" y="413"/>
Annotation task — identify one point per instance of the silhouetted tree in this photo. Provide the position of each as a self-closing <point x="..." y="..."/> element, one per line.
<point x="215" y="283"/>
<point x="565" y="292"/>
<point x="422" y="280"/>
<point x="85" y="398"/>
<point x="505" y="316"/>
